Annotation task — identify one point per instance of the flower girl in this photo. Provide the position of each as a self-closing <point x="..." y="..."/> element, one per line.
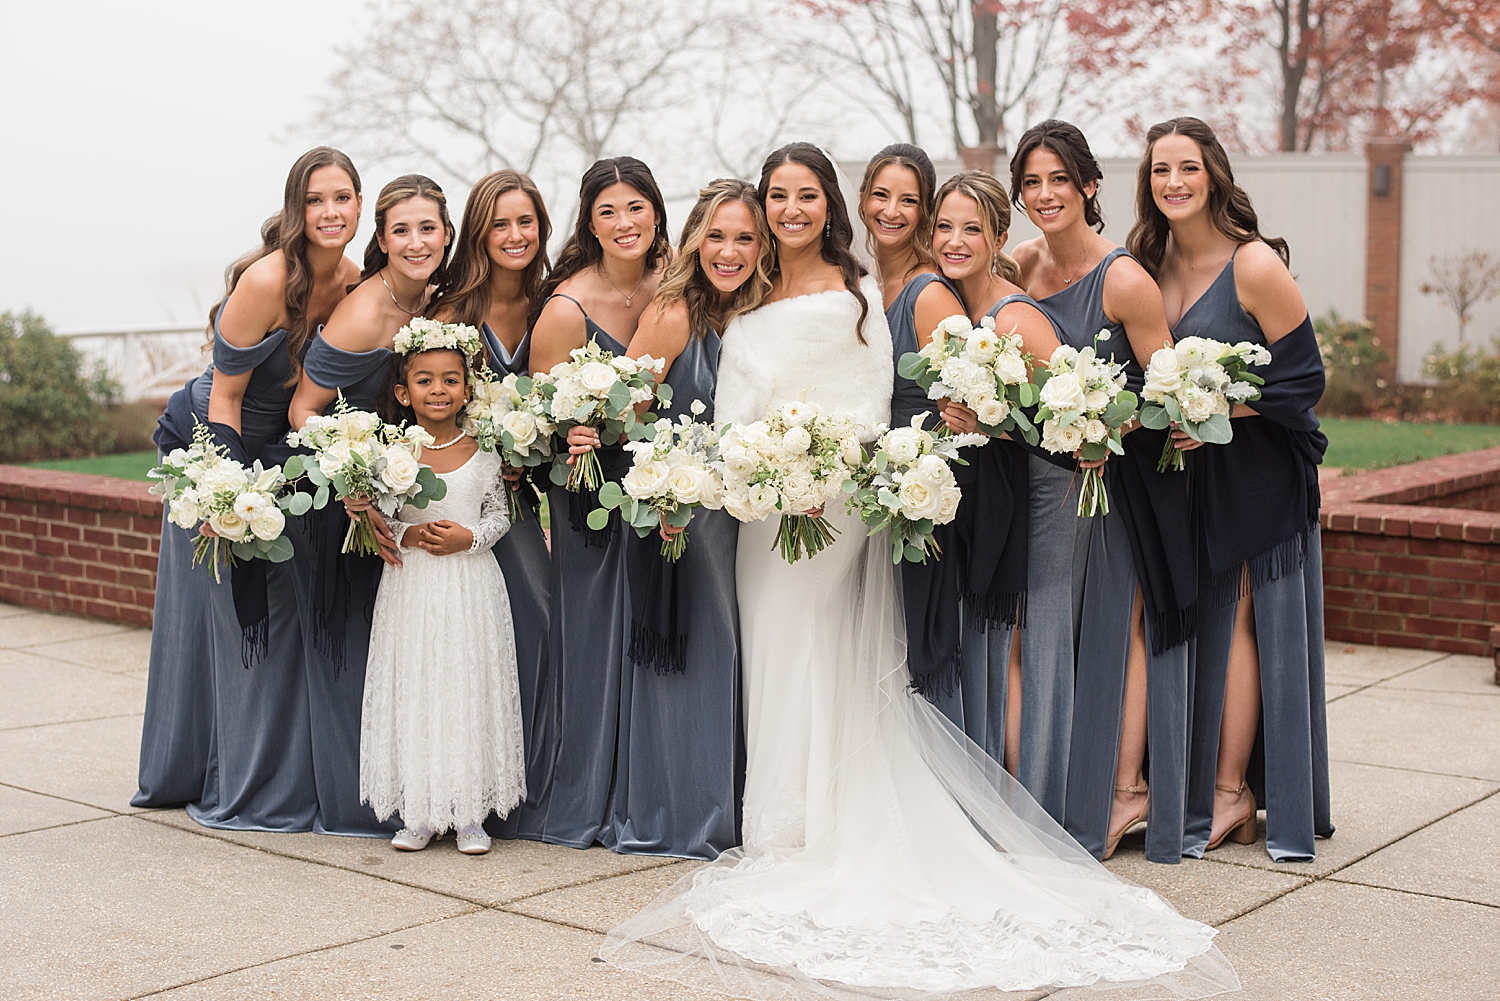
<point x="440" y="738"/>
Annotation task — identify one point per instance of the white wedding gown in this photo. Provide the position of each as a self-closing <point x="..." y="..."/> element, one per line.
<point x="885" y="855"/>
<point x="440" y="735"/>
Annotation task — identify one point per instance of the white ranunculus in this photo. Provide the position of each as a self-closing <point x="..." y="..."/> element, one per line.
<point x="687" y="482"/>
<point x="993" y="412"/>
<point x="1062" y="392"/>
<point x="400" y="472"/>
<point x="269" y="525"/>
<point x="1095" y="430"/>
<point x="230" y="525"/>
<point x="252" y="504"/>
<point x="903" y="445"/>
<point x="646" y="479"/>
<point x="920" y="500"/>
<point x="596" y="377"/>
<point x="623" y="365"/>
<point x="982" y="346"/>
<point x="1195" y="352"/>
<point x="797" y="413"/>
<point x="796" y="441"/>
<point x="933" y="470"/>
<point x="522" y="428"/>
<point x="183" y="511"/>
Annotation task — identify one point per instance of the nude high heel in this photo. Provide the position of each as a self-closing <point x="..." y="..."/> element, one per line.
<point x="1242" y="833"/>
<point x="1140" y="817"/>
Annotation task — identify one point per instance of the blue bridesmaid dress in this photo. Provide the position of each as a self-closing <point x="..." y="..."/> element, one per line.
<point x="1057" y="550"/>
<point x="260" y="764"/>
<point x="178" y="727"/>
<point x="1103" y="645"/>
<point x="527" y="566"/>
<point x="681" y="759"/>
<point x="335" y="601"/>
<point x="570" y="781"/>
<point x="1276" y="456"/>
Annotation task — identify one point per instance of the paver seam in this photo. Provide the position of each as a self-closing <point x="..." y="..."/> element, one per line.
<point x="1345" y="881"/>
<point x="75" y="639"/>
<point x="133" y="812"/>
<point x="300" y="953"/>
<point x="1416" y="771"/>
<point x="487" y="905"/>
<point x="1398" y="674"/>
<point x="1330" y="874"/>
<point x="64" y="722"/>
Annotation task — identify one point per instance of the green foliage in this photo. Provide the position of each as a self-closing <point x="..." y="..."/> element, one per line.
<point x="1354" y="362"/>
<point x="49" y="409"/>
<point x="1468" y="381"/>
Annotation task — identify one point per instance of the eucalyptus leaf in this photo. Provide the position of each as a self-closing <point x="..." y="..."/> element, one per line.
<point x="910" y="364"/>
<point x="297" y="503"/>
<point x="320" y="499"/>
<point x="598" y="518"/>
<point x="1154" y="417"/>
<point x="1114" y="446"/>
<point x="619" y="397"/>
<point x="293" y="467"/>
<point x="610" y="494"/>
<point x="280" y="549"/>
<point x="664" y="394"/>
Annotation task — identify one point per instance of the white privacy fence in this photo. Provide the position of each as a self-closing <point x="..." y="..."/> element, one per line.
<point x="151" y="363"/>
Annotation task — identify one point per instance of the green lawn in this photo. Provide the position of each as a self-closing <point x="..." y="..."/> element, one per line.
<point x="1369" y="444"/>
<point x="126" y="465"/>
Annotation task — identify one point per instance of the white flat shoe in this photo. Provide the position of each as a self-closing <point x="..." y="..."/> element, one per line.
<point x="408" y="840"/>
<point x="474" y="842"/>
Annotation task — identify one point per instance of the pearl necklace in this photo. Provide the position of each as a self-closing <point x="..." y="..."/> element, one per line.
<point x="455" y="441"/>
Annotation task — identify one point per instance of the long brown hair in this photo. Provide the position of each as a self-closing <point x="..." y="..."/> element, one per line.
<point x="916" y="160"/>
<point x="404" y="188"/>
<point x="994" y="210"/>
<point x="684" y="280"/>
<point x="1228" y="205"/>
<point x="286" y="231"/>
<point x="838" y="234"/>
<point x="1064" y="139"/>
<point x="466" y="289"/>
<point x="583" y="249"/>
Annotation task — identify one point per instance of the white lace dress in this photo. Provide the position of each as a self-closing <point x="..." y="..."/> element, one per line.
<point x="886" y="855"/>
<point x="440" y="739"/>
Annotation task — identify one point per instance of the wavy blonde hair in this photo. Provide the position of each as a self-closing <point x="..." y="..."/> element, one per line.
<point x="994" y="209"/>
<point x="684" y="280"/>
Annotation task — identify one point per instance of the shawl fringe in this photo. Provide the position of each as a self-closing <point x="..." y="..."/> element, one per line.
<point x="1284" y="559"/>
<point x="663" y="654"/>
<point x="992" y="610"/>
<point x="1171" y="627"/>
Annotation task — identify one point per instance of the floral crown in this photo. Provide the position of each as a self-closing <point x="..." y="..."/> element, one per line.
<point x="422" y="334"/>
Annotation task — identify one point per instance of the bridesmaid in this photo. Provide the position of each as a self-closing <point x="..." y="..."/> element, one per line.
<point x="603" y="282"/>
<point x="681" y="766"/>
<point x="206" y="715"/>
<point x="895" y="205"/>
<point x="1140" y="591"/>
<point x="499" y="264"/>
<point x="1029" y="736"/>
<point x="336" y="592"/>
<point x="1261" y="601"/>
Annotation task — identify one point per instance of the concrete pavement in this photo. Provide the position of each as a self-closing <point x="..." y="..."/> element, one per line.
<point x="100" y="900"/>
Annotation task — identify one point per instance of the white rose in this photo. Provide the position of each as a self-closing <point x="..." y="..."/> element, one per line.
<point x="851" y="453"/>
<point x="646" y="479"/>
<point x="1196" y="404"/>
<point x="951" y="496"/>
<point x="993" y="412"/>
<point x="903" y="445"/>
<point x="522" y="427"/>
<point x="1095" y="401"/>
<point x="1062" y="392"/>
<point x="1066" y="438"/>
<point x="183" y="511"/>
<point x="956" y="325"/>
<point x="269" y="525"/>
<point x="1064" y="357"/>
<point x="797" y="487"/>
<point x="1011" y="369"/>
<point x="982" y="346"/>
<point x="334" y="458"/>
<point x="919" y="500"/>
<point x="687" y="483"/>
<point x="1096" y="430"/>
<point x="230" y="525"/>
<point x="596" y="378"/>
<point x="623" y="365"/>
<point x="400" y="472"/>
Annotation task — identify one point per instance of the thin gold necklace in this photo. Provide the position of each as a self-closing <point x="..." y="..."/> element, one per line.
<point x="408" y="312"/>
<point x="631" y="295"/>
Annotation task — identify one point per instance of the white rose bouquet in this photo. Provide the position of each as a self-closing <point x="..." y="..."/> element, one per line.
<point x="356" y="454"/>
<point x="794" y="460"/>
<point x="1083" y="406"/>
<point x="907" y="486"/>
<point x="509" y="416"/>
<point x="246" y="508"/>
<point x="985" y="371"/>
<point x="596" y="389"/>
<point x="673" y="472"/>
<point x="1195" y="384"/>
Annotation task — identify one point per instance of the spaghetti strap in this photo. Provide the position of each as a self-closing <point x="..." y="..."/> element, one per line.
<point x="564" y="295"/>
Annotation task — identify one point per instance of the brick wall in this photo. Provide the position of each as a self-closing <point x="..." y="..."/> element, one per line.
<point x="1403" y="565"/>
<point x="73" y="542"/>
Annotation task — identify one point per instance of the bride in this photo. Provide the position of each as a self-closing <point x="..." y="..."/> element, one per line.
<point x="885" y="855"/>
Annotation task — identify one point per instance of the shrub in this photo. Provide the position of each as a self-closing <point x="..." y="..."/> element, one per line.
<point x="1468" y="381"/>
<point x="48" y="408"/>
<point x="1354" y="363"/>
